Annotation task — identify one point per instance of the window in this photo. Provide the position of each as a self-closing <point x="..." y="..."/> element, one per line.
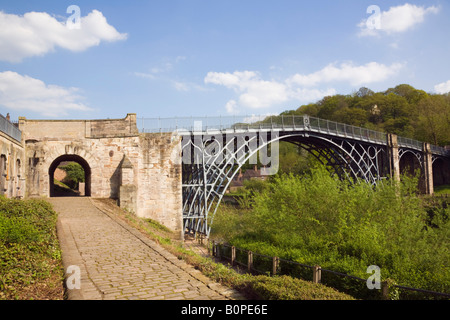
<point x="2" y="174"/>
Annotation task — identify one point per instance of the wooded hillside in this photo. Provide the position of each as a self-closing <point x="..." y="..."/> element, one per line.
<point x="403" y="110"/>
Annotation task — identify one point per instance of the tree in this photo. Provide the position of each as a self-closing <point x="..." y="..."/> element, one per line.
<point x="311" y="109"/>
<point x="75" y="174"/>
<point x="353" y="116"/>
<point x="329" y="105"/>
<point x="403" y="110"/>
<point x="411" y="94"/>
<point x="434" y="120"/>
<point x="364" y="92"/>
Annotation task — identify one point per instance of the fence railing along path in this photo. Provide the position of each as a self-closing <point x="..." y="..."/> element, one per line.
<point x="253" y="262"/>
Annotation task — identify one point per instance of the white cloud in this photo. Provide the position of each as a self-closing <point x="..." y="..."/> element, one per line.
<point x="37" y="33"/>
<point x="145" y="75"/>
<point x="256" y="93"/>
<point x="348" y="72"/>
<point x="181" y="86"/>
<point x="396" y="20"/>
<point x="231" y="107"/>
<point x="18" y="92"/>
<point x="442" y="87"/>
<point x="164" y="69"/>
<point x="187" y="86"/>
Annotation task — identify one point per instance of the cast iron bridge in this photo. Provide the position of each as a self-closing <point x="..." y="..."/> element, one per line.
<point x="214" y="149"/>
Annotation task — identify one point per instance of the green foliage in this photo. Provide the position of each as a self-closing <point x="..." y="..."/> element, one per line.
<point x="445" y="189"/>
<point x="293" y="159"/>
<point x="75" y="174"/>
<point x="402" y="110"/>
<point x="29" y="249"/>
<point x="319" y="219"/>
<point x="287" y="288"/>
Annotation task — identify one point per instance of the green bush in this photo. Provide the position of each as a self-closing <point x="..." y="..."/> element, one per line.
<point x="17" y="230"/>
<point x="75" y="174"/>
<point x="29" y="248"/>
<point x="319" y="219"/>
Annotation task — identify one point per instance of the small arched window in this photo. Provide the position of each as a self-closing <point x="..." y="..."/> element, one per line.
<point x="2" y="174"/>
<point x="18" y="168"/>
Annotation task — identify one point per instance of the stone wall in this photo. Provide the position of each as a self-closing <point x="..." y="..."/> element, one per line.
<point x="160" y="179"/>
<point x="103" y="156"/>
<point x="78" y="129"/>
<point x="141" y="171"/>
<point x="12" y="167"/>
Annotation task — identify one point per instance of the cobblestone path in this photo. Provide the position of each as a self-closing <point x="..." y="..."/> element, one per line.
<point x="118" y="262"/>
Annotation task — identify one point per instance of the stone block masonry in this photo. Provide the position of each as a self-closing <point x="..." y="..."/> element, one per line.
<point x="159" y="178"/>
<point x="12" y="159"/>
<point x="142" y="171"/>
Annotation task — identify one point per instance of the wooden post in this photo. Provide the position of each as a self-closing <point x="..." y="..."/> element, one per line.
<point x="385" y="290"/>
<point x="233" y="255"/>
<point x="250" y="261"/>
<point x="317" y="274"/>
<point x="218" y="251"/>
<point x="274" y="265"/>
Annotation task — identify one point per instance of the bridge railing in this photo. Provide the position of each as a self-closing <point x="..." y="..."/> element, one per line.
<point x="345" y="130"/>
<point x="440" y="150"/>
<point x="249" y="123"/>
<point x="10" y="129"/>
<point x="282" y="122"/>
<point x="409" y="143"/>
<point x="418" y="145"/>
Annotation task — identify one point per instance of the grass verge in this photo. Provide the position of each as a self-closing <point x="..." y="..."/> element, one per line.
<point x="442" y="190"/>
<point x="30" y="256"/>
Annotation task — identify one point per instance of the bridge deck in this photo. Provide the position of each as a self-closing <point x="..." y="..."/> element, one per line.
<point x="281" y="124"/>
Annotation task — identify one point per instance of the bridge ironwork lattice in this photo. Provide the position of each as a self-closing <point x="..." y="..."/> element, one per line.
<point x="214" y="148"/>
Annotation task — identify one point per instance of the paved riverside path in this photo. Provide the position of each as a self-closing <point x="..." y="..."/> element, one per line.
<point x="116" y="261"/>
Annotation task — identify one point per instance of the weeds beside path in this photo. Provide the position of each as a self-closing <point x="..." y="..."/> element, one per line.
<point x="30" y="257"/>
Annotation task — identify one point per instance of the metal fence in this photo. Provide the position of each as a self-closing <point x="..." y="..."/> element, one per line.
<point x="256" y="263"/>
<point x="440" y="150"/>
<point x="10" y="129"/>
<point x="253" y="123"/>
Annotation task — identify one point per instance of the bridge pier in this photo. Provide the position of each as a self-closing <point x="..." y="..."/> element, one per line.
<point x="394" y="159"/>
<point x="428" y="169"/>
<point x="426" y="177"/>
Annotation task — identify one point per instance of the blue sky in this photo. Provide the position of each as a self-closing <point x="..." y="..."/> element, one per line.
<point x="206" y="58"/>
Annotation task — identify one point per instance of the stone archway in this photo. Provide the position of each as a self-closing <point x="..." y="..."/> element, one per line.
<point x="73" y="158"/>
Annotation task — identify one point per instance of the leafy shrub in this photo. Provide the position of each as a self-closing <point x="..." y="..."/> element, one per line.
<point x="29" y="249"/>
<point x="319" y="219"/>
<point x="75" y="174"/>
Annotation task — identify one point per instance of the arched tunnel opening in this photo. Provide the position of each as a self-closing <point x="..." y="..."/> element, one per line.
<point x="58" y="190"/>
